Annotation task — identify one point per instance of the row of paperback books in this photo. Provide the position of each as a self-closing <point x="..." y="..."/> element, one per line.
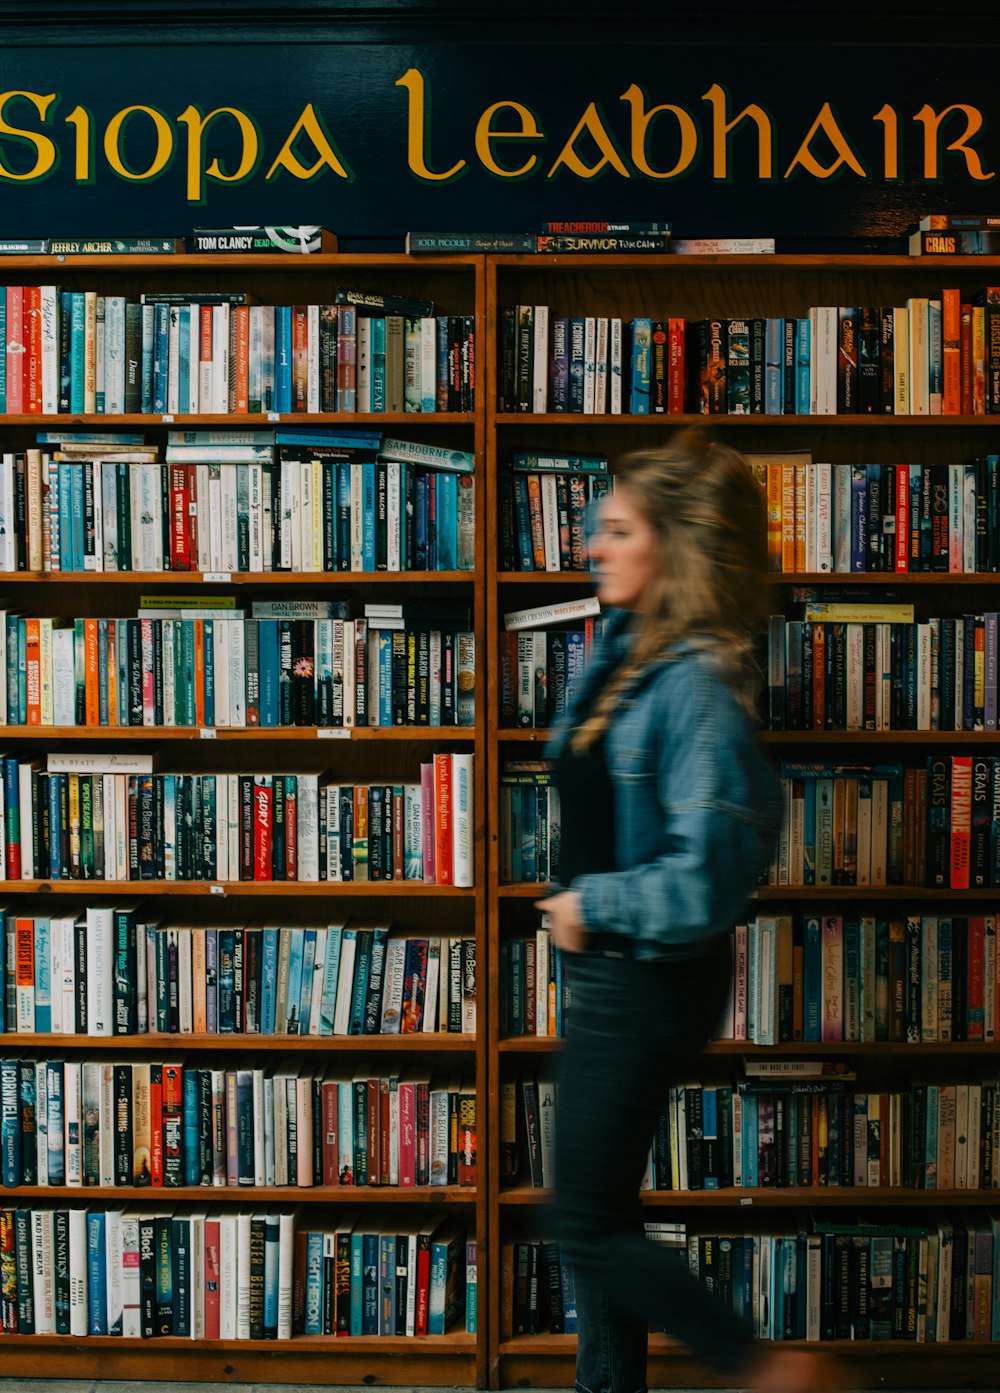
<point x="541" y="670"/>
<point x="870" y="674"/>
<point x="856" y="978"/>
<point x="842" y="518"/>
<point x="83" y="818"/>
<point x="865" y="824"/>
<point x="226" y="1275"/>
<point x="544" y="501"/>
<point x="534" y="995"/>
<point x="858" y="1281"/>
<point x="73" y="352"/>
<point x="332" y="502"/>
<point x="181" y="663"/>
<point x="109" y="971"/>
<point x="779" y="1133"/>
<point x="530" y="822"/>
<point x="124" y="1123"/>
<point x="930" y="356"/>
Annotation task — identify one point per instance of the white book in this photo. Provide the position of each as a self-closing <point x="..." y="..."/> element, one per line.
<point x="113" y="1264"/>
<point x="589" y="363"/>
<point x="312" y="358"/>
<point x="969" y="520"/>
<point x="221" y="629"/>
<point x="78" y="1288"/>
<point x="48" y="305"/>
<point x="345" y="981"/>
<point x="220" y="359"/>
<point x="615" y="367"/>
<point x="919" y="350"/>
<point x="8" y="555"/>
<point x="228" y="1274"/>
<point x="259" y="1136"/>
<point x="203" y="516"/>
<point x="174" y="360"/>
<point x="923" y="676"/>
<point x="230" y="518"/>
<point x="828" y="330"/>
<point x="307" y="508"/>
<point x="392" y="996"/>
<point x="550" y="522"/>
<point x="198" y="1276"/>
<point x="43" y="1270"/>
<point x="319" y="968"/>
<point x="901" y="360"/>
<point x="540" y="360"/>
<point x="429" y="1022"/>
<point x="286" y="1254"/>
<point x="428" y="364"/>
<point x="185" y="995"/>
<point x="855" y="676"/>
<point x="243" y="1276"/>
<point x="393" y="515"/>
<point x="463" y="820"/>
<point x="308" y="827"/>
<point x="215" y="511"/>
<point x="812" y="520"/>
<point x="601" y="375"/>
<point x="106" y="762"/>
<point x="364" y="367"/>
<point x="255" y="482"/>
<point x="541" y="982"/>
<point x="100" y="970"/>
<point x="357" y="533"/>
<point x="237" y="675"/>
<point x="73" y="1122"/>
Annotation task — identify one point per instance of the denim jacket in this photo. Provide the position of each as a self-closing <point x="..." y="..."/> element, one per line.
<point x="696" y="803"/>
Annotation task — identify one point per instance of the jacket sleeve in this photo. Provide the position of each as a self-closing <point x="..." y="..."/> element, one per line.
<point x="718" y="799"/>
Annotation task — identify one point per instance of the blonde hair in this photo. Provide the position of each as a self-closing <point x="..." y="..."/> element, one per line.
<point x="710" y="516"/>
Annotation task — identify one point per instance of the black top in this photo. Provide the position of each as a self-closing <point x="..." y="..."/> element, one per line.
<point x="586" y="811"/>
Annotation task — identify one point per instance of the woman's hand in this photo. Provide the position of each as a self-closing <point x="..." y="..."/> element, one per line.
<point x="566" y="923"/>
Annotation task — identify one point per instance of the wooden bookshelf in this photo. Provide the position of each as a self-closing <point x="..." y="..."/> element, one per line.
<point x="702" y="287"/>
<point x="457" y="285"/>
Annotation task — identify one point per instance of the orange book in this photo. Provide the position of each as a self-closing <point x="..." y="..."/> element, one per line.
<point x="442" y="819"/>
<point x="92" y="680"/>
<point x="33" y="659"/>
<point x="800" y="517"/>
<point x="978" y="360"/>
<point x="360" y="832"/>
<point x="535" y="519"/>
<point x="965" y="358"/>
<point x="33" y="347"/>
<point x="205" y="360"/>
<point x="199" y="1007"/>
<point x="199" y="672"/>
<point x="241" y="373"/>
<point x="951" y="353"/>
<point x="774" y="532"/>
<point x="788" y="517"/>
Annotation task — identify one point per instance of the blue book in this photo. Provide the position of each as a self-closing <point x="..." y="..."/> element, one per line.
<point x="161" y="357"/>
<point x="447" y="521"/>
<point x="187" y="669"/>
<point x="148" y="351"/>
<point x="283" y="357"/>
<point x="387" y="1285"/>
<point x="76" y="515"/>
<point x="271" y="1226"/>
<point x="331" y="969"/>
<point x="369" y="1291"/>
<point x="359" y="990"/>
<point x="443" y="363"/>
<point x="339" y="437"/>
<point x="774" y="367"/>
<point x="803" y="360"/>
<point x="368" y="515"/>
<point x="642" y="333"/>
<point x="77" y="353"/>
<point x="447" y="1249"/>
<point x="295" y="955"/>
<point x="10" y="1122"/>
<point x="227" y="1005"/>
<point x="308" y="967"/>
<point x="750" y="1141"/>
<point x="14" y="715"/>
<point x="54" y="1113"/>
<point x="184" y="357"/>
<point x="313" y="1295"/>
<point x="267" y="642"/>
<point x="97" y="1275"/>
<point x="377" y="361"/>
<point x="192" y="1109"/>
<point x="357" y="1280"/>
<point x="859" y="516"/>
<point x="812" y="978"/>
<point x="208" y="646"/>
<point x="420" y="562"/>
<point x="384" y="639"/>
<point x="43" y="984"/>
<point x="211" y="981"/>
<point x="22" y="668"/>
<point x="268" y="979"/>
<point x="66" y="557"/>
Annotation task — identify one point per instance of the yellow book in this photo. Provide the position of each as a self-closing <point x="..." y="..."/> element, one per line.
<point x="788" y="517"/>
<point x="832" y="612"/>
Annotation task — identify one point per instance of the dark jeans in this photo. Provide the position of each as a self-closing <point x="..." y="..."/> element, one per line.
<point x="634" y="1030"/>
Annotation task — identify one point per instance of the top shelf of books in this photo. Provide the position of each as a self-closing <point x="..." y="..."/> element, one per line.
<point x="767" y="264"/>
<point x="277" y="261"/>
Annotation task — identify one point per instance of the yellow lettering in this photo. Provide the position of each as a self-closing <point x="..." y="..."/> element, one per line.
<point x="310" y="123"/>
<point x="417" y="129"/>
<point x="641" y="121"/>
<point x="931" y="121"/>
<point x="890" y="121"/>
<point x="164" y="144"/>
<point x="721" y="128"/>
<point x="590" y="122"/>
<point x="81" y="119"/>
<point x="47" y="157"/>
<point x="197" y="126"/>
<point x="804" y="157"/>
<point x="485" y="136"/>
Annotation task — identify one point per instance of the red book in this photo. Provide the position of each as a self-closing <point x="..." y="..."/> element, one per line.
<point x="965" y="358"/>
<point x="328" y="1104"/>
<point x="976" y="1021"/>
<point x="675" y="367"/>
<point x="192" y="517"/>
<point x="407" y="1133"/>
<point x="180" y="499"/>
<point x="300" y="358"/>
<point x="423" y="1281"/>
<point x="442" y="820"/>
<point x="427" y="820"/>
<point x="213" y="1278"/>
<point x="262" y="827"/>
<point x="156" y="1123"/>
<point x="961" y="820"/>
<point x="951" y="354"/>
<point x="33" y="347"/>
<point x="902" y="517"/>
<point x="16" y="350"/>
<point x="291" y="831"/>
<point x="241" y="373"/>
